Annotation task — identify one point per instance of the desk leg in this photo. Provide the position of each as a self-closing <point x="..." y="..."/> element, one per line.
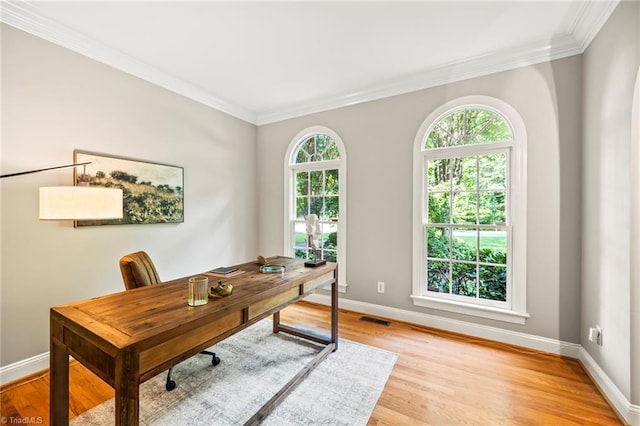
<point x="59" y="386"/>
<point x="334" y="310"/>
<point x="127" y="389"/>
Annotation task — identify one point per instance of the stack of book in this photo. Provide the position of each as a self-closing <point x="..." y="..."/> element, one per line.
<point x="225" y="272"/>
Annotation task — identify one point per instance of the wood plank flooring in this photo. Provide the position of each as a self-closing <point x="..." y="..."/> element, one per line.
<point x="440" y="378"/>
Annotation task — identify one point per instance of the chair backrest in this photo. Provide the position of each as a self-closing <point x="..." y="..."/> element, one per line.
<point x="138" y="270"/>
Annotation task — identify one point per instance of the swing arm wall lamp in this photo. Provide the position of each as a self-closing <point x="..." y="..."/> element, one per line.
<point x="76" y="202"/>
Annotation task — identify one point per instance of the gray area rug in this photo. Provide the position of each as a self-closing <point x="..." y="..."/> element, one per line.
<point x="342" y="390"/>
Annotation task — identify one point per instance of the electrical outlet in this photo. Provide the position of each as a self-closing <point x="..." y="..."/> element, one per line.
<point x="595" y="335"/>
<point x="380" y="287"/>
<point x="599" y="339"/>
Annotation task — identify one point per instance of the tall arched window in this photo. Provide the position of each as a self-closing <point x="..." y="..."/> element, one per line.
<point x="315" y="183"/>
<point x="470" y="210"/>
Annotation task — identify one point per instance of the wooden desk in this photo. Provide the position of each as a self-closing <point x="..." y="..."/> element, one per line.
<point x="127" y="338"/>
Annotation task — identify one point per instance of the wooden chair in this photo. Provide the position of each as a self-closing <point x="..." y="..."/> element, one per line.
<point x="138" y="271"/>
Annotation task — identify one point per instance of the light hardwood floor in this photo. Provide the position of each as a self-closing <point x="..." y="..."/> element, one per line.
<point x="440" y="378"/>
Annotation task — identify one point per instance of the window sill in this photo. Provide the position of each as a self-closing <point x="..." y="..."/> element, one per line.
<point x="470" y="309"/>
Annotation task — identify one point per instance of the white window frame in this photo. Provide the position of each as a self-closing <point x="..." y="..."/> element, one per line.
<point x="515" y="309"/>
<point x="290" y="169"/>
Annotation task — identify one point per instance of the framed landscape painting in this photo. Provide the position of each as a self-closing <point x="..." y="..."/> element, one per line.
<point x="152" y="192"/>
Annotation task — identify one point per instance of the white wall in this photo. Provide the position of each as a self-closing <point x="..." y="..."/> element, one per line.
<point x="379" y="136"/>
<point x="635" y="244"/>
<point x="55" y="101"/>
<point x="610" y="69"/>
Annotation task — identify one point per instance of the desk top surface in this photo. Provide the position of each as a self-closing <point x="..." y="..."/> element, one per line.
<point x="121" y="319"/>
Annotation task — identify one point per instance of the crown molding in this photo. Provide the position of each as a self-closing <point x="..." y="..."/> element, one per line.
<point x="590" y="19"/>
<point x="23" y="16"/>
<point x="490" y="63"/>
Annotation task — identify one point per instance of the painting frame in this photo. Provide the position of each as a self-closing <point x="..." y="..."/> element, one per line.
<point x="152" y="192"/>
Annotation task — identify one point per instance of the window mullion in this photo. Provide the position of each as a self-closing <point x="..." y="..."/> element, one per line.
<point x="478" y="228"/>
<point x="450" y="227"/>
<point x="466" y="150"/>
<point x="464" y="124"/>
<point x="316" y="165"/>
<point x="324" y="193"/>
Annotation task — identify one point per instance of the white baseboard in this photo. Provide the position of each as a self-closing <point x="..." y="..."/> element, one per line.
<point x="630" y="412"/>
<point x="492" y="333"/>
<point x="24" y="368"/>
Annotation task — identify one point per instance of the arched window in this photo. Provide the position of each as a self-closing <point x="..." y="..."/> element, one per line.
<point x="315" y="183"/>
<point x="469" y="210"/>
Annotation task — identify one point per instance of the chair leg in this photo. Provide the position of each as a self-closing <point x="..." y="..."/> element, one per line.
<point x="214" y="359"/>
<point x="171" y="385"/>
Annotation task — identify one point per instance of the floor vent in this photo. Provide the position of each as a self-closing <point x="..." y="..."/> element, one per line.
<point x="375" y="321"/>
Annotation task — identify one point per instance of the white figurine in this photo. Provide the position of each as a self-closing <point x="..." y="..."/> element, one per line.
<point x="314" y="229"/>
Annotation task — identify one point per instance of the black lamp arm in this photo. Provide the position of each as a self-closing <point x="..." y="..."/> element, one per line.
<point x="42" y="170"/>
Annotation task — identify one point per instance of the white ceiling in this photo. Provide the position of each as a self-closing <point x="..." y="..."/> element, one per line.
<point x="267" y="61"/>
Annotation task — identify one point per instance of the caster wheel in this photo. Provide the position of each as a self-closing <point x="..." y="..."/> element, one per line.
<point x="215" y="360"/>
<point x="171" y="385"/>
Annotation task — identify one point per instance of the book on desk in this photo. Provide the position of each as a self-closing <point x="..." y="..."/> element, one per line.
<point x="224" y="272"/>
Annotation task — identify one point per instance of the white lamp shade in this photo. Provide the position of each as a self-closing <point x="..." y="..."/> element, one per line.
<point x="78" y="203"/>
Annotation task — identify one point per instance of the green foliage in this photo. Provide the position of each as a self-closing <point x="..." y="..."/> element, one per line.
<point x="317" y="192"/>
<point x="316" y="148"/>
<point x="488" y="255"/>
<point x="467" y="189"/>
<point x="464" y="279"/>
<point x="331" y="243"/>
<point x="123" y="176"/>
<point x="152" y="207"/>
<point x="439" y="208"/>
<point x="493" y="283"/>
<point x="471" y="189"/>
<point x="142" y="202"/>
<point x="446" y="275"/>
<point x="468" y="126"/>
